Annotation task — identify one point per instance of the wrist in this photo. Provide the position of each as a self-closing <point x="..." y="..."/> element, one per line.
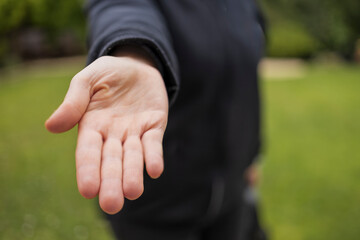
<point x="134" y="52"/>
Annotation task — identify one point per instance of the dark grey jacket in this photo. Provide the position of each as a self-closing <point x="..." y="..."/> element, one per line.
<point x="207" y="52"/>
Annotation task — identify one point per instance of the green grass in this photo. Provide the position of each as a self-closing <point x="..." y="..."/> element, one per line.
<point x="310" y="186"/>
<point x="39" y="197"/>
<point x="311" y="166"/>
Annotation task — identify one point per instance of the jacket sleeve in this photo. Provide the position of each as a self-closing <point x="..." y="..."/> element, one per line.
<point x="113" y="23"/>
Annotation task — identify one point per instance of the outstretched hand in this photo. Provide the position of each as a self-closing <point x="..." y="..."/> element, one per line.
<point x="121" y="107"/>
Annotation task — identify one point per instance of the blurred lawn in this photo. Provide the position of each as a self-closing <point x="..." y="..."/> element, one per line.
<point x="39" y="197"/>
<point x="311" y="169"/>
<point x="310" y="187"/>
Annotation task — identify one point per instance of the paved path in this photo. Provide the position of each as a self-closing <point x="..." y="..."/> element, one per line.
<point x="282" y="69"/>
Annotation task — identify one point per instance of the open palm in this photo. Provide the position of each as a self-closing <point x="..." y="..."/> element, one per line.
<point x="121" y="107"/>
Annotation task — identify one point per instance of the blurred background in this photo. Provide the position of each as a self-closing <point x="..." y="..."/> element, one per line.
<point x="310" y="82"/>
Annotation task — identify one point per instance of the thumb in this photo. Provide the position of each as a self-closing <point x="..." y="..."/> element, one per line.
<point x="73" y="107"/>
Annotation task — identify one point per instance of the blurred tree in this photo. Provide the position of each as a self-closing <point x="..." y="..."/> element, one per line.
<point x="298" y="28"/>
<point x="46" y="20"/>
<point x="335" y="24"/>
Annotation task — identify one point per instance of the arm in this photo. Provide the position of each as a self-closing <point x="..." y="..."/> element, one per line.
<point x="114" y="23"/>
<point x="119" y="103"/>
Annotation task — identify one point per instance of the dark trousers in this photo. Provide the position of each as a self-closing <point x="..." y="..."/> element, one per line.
<point x="240" y="222"/>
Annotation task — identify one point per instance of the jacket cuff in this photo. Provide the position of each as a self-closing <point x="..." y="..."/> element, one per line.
<point x="158" y="55"/>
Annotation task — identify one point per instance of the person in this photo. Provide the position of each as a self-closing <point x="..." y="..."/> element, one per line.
<point x="189" y="67"/>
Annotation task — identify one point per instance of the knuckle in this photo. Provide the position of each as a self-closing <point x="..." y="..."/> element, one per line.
<point x="111" y="167"/>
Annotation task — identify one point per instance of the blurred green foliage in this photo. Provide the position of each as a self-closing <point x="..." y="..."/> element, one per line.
<point x="297" y="28"/>
<point x="53" y="18"/>
<point x="333" y="24"/>
<point x="50" y="15"/>
<point x="290" y="39"/>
